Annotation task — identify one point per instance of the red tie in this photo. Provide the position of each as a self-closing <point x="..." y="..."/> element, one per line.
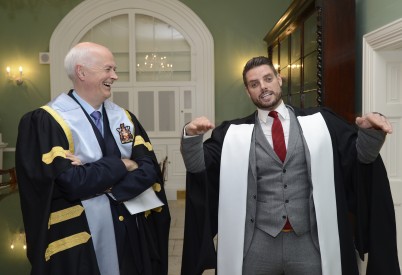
<point x="278" y="138"/>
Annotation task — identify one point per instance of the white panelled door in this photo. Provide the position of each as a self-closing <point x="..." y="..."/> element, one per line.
<point x="382" y="92"/>
<point x="388" y="101"/>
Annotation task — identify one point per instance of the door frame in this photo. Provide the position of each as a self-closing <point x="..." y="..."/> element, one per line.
<point x="385" y="39"/>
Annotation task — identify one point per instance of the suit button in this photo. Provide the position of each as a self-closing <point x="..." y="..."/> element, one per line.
<point x="283" y="217"/>
<point x="254" y="196"/>
<point x="121" y="218"/>
<point x="252" y="220"/>
<point x="284" y="171"/>
<point x="286" y="201"/>
<point x="285" y="186"/>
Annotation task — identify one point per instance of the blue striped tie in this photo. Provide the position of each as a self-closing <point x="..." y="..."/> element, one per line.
<point x="96" y="115"/>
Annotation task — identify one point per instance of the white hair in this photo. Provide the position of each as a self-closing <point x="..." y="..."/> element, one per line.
<point x="79" y="54"/>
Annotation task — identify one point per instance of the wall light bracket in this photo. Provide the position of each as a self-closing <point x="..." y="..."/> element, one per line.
<point x="17" y="78"/>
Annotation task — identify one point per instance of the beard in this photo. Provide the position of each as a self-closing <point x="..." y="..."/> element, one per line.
<point x="271" y="105"/>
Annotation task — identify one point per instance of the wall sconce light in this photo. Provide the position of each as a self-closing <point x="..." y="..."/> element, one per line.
<point x="18" y="240"/>
<point x="11" y="77"/>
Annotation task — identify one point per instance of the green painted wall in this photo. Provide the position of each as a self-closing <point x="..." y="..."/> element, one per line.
<point x="372" y="14"/>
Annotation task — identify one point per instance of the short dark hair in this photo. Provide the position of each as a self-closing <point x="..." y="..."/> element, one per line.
<point x="255" y="62"/>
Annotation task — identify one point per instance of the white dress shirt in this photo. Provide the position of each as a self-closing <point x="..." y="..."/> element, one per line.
<point x="266" y="122"/>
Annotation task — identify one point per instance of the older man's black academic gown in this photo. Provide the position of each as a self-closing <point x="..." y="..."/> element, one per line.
<point x="39" y="131"/>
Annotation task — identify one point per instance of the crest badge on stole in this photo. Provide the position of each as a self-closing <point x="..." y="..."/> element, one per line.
<point x="125" y="134"/>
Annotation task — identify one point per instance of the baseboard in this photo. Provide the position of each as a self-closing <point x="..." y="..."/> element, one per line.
<point x="181" y="194"/>
<point x="175" y="194"/>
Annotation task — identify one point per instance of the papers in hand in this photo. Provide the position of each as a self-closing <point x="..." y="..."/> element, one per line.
<point x="145" y="201"/>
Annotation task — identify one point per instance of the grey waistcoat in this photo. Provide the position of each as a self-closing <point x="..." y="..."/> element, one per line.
<point x="283" y="189"/>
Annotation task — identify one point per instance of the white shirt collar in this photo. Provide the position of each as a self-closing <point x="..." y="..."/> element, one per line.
<point x="87" y="107"/>
<point x="281" y="109"/>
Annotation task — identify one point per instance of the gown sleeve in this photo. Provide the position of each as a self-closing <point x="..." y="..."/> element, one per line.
<point x="364" y="202"/>
<point x="201" y="216"/>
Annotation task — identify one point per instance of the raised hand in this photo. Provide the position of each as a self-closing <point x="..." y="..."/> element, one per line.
<point x="374" y="120"/>
<point x="198" y="126"/>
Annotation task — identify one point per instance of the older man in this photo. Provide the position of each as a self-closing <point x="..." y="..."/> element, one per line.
<point x="79" y="160"/>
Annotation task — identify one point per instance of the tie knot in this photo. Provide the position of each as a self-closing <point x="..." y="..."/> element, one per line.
<point x="96" y="115"/>
<point x="273" y="114"/>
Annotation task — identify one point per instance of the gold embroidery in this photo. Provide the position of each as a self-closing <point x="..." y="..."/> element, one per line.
<point x="157" y="187"/>
<point x="157" y="209"/>
<point x="140" y="140"/>
<point x="147" y="213"/>
<point x="65" y="214"/>
<point x="129" y="116"/>
<point x="57" y="151"/>
<point x="64" y="126"/>
<point x="132" y="122"/>
<point x="66" y="243"/>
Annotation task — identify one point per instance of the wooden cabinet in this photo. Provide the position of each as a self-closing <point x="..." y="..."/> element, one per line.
<point x="313" y="48"/>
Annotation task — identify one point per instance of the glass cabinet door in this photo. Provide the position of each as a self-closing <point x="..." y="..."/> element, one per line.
<point x="310" y="35"/>
<point x="295" y="46"/>
<point x="275" y="57"/>
<point x="284" y="53"/>
<point x="310" y="72"/>
<point x="298" y="62"/>
<point x="310" y="62"/>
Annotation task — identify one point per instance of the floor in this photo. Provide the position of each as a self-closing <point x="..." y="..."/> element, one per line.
<point x="177" y="208"/>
